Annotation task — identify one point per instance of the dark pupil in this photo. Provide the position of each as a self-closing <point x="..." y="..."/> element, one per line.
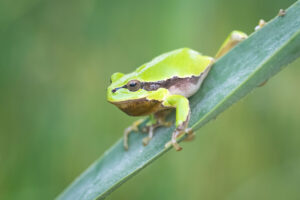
<point x="132" y="84"/>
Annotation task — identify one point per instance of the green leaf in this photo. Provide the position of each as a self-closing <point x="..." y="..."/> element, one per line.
<point x="236" y="74"/>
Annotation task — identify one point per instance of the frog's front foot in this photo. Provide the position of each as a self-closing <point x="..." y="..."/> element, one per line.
<point x="150" y="129"/>
<point x="147" y="139"/>
<point x="133" y="127"/>
<point x="146" y="128"/>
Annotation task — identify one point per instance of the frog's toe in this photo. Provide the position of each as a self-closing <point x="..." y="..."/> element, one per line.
<point x="125" y="145"/>
<point x="173" y="143"/>
<point x="127" y="131"/>
<point x="190" y="134"/>
<point x="190" y="137"/>
<point x="145" y="129"/>
<point x="168" y="144"/>
<point x="146" y="141"/>
<point x="167" y="124"/>
<point x="261" y="24"/>
<point x="125" y="140"/>
<point x="176" y="146"/>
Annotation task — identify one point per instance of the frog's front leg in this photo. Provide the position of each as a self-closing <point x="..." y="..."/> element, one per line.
<point x="155" y="120"/>
<point x="133" y="127"/>
<point x="181" y="104"/>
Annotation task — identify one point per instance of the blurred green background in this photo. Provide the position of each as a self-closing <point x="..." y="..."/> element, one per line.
<point x="56" y="58"/>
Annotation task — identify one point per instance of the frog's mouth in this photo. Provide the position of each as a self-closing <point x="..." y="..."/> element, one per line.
<point x="139" y="107"/>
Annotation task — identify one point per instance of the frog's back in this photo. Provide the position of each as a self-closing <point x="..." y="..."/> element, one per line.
<point x="181" y="63"/>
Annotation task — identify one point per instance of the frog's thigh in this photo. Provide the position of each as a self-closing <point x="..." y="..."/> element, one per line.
<point x="182" y="108"/>
<point x="182" y="116"/>
<point x="233" y="39"/>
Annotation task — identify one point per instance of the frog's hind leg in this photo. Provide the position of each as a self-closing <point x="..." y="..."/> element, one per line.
<point x="231" y="41"/>
<point x="181" y="104"/>
<point x="236" y="37"/>
<point x="156" y="120"/>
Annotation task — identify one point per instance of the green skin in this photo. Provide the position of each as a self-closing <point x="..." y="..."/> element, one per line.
<point x="185" y="69"/>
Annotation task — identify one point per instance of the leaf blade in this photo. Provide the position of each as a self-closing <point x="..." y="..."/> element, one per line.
<point x="236" y="74"/>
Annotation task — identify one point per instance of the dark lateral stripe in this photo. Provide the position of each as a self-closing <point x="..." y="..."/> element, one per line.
<point x="151" y="86"/>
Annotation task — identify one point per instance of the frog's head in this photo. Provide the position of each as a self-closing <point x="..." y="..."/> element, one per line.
<point x="124" y="88"/>
<point x="126" y="92"/>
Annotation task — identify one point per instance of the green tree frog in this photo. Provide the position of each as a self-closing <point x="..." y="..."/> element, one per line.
<point x="164" y="83"/>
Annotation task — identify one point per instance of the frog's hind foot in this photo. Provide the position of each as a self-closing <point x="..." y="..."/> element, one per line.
<point x="173" y="142"/>
<point x="177" y="134"/>
<point x="190" y="135"/>
<point x="261" y="24"/>
<point x="234" y="38"/>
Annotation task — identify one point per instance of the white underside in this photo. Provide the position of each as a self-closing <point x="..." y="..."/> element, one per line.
<point x="188" y="89"/>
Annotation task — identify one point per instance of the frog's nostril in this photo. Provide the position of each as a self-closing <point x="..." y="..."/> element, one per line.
<point x="114" y="90"/>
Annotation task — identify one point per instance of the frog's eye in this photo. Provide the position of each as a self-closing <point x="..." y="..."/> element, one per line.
<point x="133" y="85"/>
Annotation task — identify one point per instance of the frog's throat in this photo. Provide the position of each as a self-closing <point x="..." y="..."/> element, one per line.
<point x="139" y="107"/>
